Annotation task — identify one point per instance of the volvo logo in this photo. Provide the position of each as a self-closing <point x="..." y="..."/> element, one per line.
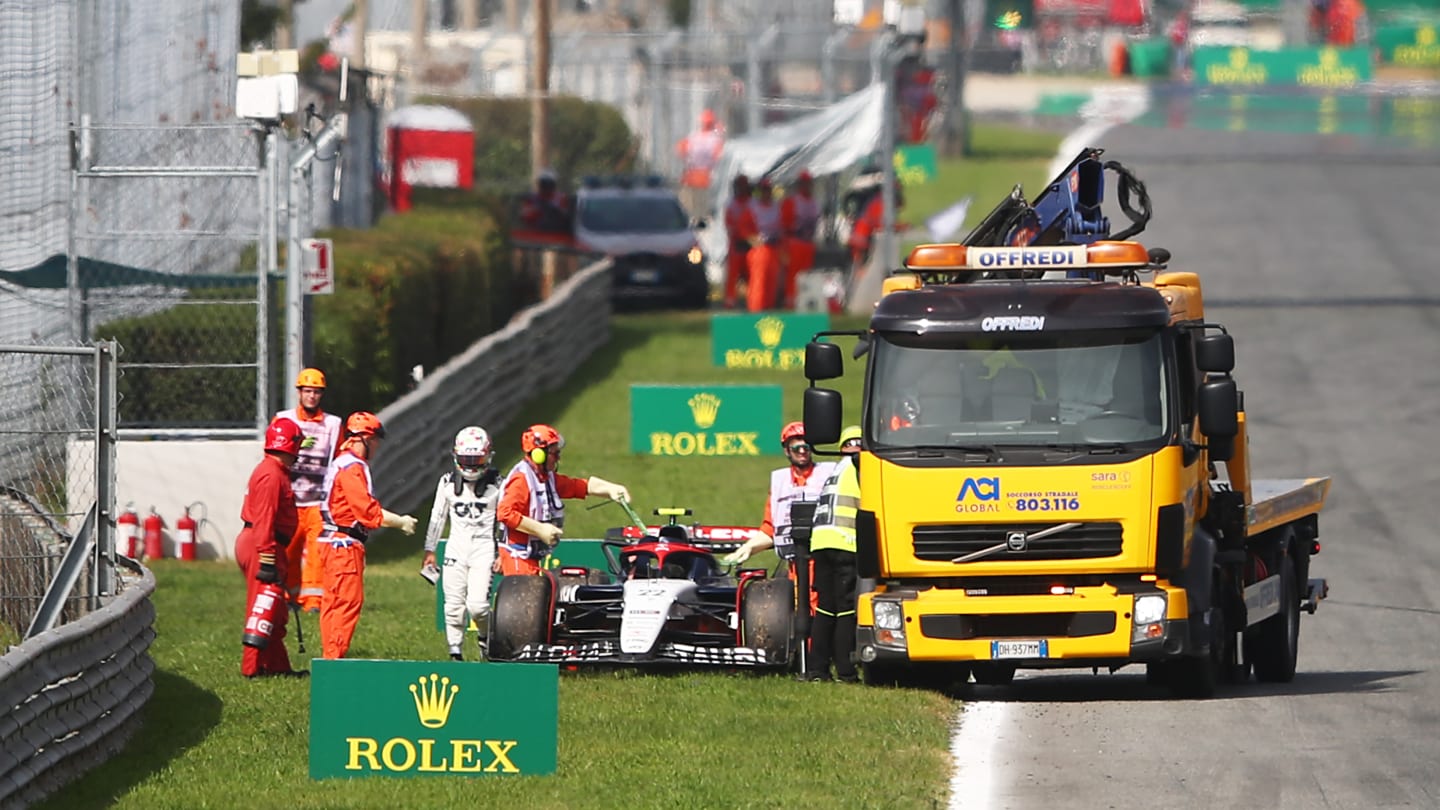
<point x="1015" y="541"/>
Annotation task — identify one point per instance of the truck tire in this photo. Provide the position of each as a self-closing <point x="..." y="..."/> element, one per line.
<point x="767" y="615"/>
<point x="1275" y="645"/>
<point x="521" y="615"/>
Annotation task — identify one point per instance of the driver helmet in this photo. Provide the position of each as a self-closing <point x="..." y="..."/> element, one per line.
<point x="472" y="452"/>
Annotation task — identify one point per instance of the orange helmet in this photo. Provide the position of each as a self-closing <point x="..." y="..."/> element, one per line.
<point x="364" y="423"/>
<point x="539" y="441"/>
<point x="283" y="436"/>
<point x="794" y="430"/>
<point x="310" y="378"/>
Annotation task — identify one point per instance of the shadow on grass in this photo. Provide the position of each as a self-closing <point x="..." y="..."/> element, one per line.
<point x="179" y="716"/>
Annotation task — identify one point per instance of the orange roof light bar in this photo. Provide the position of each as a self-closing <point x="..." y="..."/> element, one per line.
<point x="1107" y="255"/>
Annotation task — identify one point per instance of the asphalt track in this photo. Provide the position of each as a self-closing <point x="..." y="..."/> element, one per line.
<point x="1321" y="254"/>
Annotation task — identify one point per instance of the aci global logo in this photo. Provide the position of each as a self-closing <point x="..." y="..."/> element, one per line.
<point x="978" y="495"/>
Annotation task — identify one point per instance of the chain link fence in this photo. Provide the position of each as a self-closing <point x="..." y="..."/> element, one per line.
<point x="57" y="463"/>
<point x="171" y="242"/>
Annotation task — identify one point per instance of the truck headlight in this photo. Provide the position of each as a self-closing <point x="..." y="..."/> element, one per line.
<point x="889" y="624"/>
<point x="888" y="616"/>
<point x="1149" y="616"/>
<point x="1149" y="608"/>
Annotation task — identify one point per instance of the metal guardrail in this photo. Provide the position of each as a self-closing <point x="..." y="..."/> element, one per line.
<point x="69" y="696"/>
<point x="489" y="383"/>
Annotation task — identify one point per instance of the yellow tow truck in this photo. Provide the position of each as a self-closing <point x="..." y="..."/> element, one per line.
<point x="1056" y="474"/>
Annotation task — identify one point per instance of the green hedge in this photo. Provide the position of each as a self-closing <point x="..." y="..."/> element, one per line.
<point x="417" y="289"/>
<point x="168" y="361"/>
<point x="586" y="137"/>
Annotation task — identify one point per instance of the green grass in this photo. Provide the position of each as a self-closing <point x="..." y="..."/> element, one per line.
<point x="1001" y="157"/>
<point x="210" y="739"/>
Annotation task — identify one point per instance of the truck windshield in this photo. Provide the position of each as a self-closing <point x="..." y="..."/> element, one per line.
<point x="637" y="214"/>
<point x="1088" y="391"/>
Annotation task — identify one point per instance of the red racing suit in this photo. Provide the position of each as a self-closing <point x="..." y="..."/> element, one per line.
<point x="269" y="517"/>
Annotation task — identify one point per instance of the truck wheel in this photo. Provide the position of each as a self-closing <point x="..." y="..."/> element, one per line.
<point x="1276" y="643"/>
<point x="1197" y="676"/>
<point x="880" y="674"/>
<point x="767" y="614"/>
<point x="521" y="615"/>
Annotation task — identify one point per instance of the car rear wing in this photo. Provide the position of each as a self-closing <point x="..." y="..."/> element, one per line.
<point x="710" y="538"/>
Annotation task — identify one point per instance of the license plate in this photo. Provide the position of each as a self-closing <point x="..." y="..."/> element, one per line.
<point x="644" y="276"/>
<point x="1019" y="649"/>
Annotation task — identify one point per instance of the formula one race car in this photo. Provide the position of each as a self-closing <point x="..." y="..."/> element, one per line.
<point x="665" y="599"/>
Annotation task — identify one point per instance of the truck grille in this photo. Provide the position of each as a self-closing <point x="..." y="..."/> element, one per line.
<point x="946" y="542"/>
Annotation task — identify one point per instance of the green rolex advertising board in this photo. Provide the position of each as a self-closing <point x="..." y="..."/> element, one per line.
<point x="1304" y="67"/>
<point x="431" y="718"/>
<point x="769" y="340"/>
<point x="710" y="420"/>
<point x="1409" y="45"/>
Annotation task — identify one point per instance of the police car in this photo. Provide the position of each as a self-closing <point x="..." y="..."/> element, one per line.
<point x="641" y="225"/>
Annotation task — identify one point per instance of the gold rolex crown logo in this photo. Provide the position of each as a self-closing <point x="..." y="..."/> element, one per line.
<point x="433" y="700"/>
<point x="1425" y="35"/>
<point x="1329" y="58"/>
<point x="770" y="330"/>
<point x="1239" y="57"/>
<point x="704" y="407"/>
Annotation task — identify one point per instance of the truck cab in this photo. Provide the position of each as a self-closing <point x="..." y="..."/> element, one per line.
<point x="1055" y="474"/>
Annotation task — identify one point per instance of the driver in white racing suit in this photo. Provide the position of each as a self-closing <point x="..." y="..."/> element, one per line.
<point x="467" y="496"/>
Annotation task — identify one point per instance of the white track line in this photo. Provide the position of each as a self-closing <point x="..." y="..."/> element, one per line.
<point x="972" y="747"/>
<point x="978" y="725"/>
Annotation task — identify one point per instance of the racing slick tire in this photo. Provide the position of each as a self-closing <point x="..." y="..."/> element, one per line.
<point x="521" y="615"/>
<point x="767" y="616"/>
<point x="1274" y="644"/>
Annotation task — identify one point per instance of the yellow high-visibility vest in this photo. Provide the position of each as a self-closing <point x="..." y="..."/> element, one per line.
<point x="834" y="525"/>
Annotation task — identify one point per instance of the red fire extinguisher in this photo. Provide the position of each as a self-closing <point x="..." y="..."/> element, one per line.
<point x="260" y="622"/>
<point x="154" y="546"/>
<point x="185" y="536"/>
<point x="128" y="532"/>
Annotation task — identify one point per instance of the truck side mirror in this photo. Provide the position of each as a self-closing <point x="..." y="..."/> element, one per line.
<point x="822" y="411"/>
<point x="1215" y="353"/>
<point x="823" y="361"/>
<point x="1219" y="406"/>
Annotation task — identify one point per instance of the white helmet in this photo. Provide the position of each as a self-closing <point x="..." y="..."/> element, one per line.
<point x="472" y="452"/>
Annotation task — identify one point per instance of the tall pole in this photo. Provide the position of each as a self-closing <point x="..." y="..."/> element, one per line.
<point x="360" y="23"/>
<point x="957" y="118"/>
<point x="419" y="22"/>
<point x="285" y="31"/>
<point x="540" y="93"/>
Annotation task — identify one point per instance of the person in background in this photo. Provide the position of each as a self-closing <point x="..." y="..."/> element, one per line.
<point x="699" y="153"/>
<point x="742" y="232"/>
<point x="546" y="209"/>
<point x="307" y="481"/>
<point x="532" y="503"/>
<point x="799" y="218"/>
<point x="350" y="514"/>
<point x="867" y="226"/>
<point x="832" y="550"/>
<point x="765" y="261"/>
<point x="467" y="497"/>
<point x="268" y="514"/>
